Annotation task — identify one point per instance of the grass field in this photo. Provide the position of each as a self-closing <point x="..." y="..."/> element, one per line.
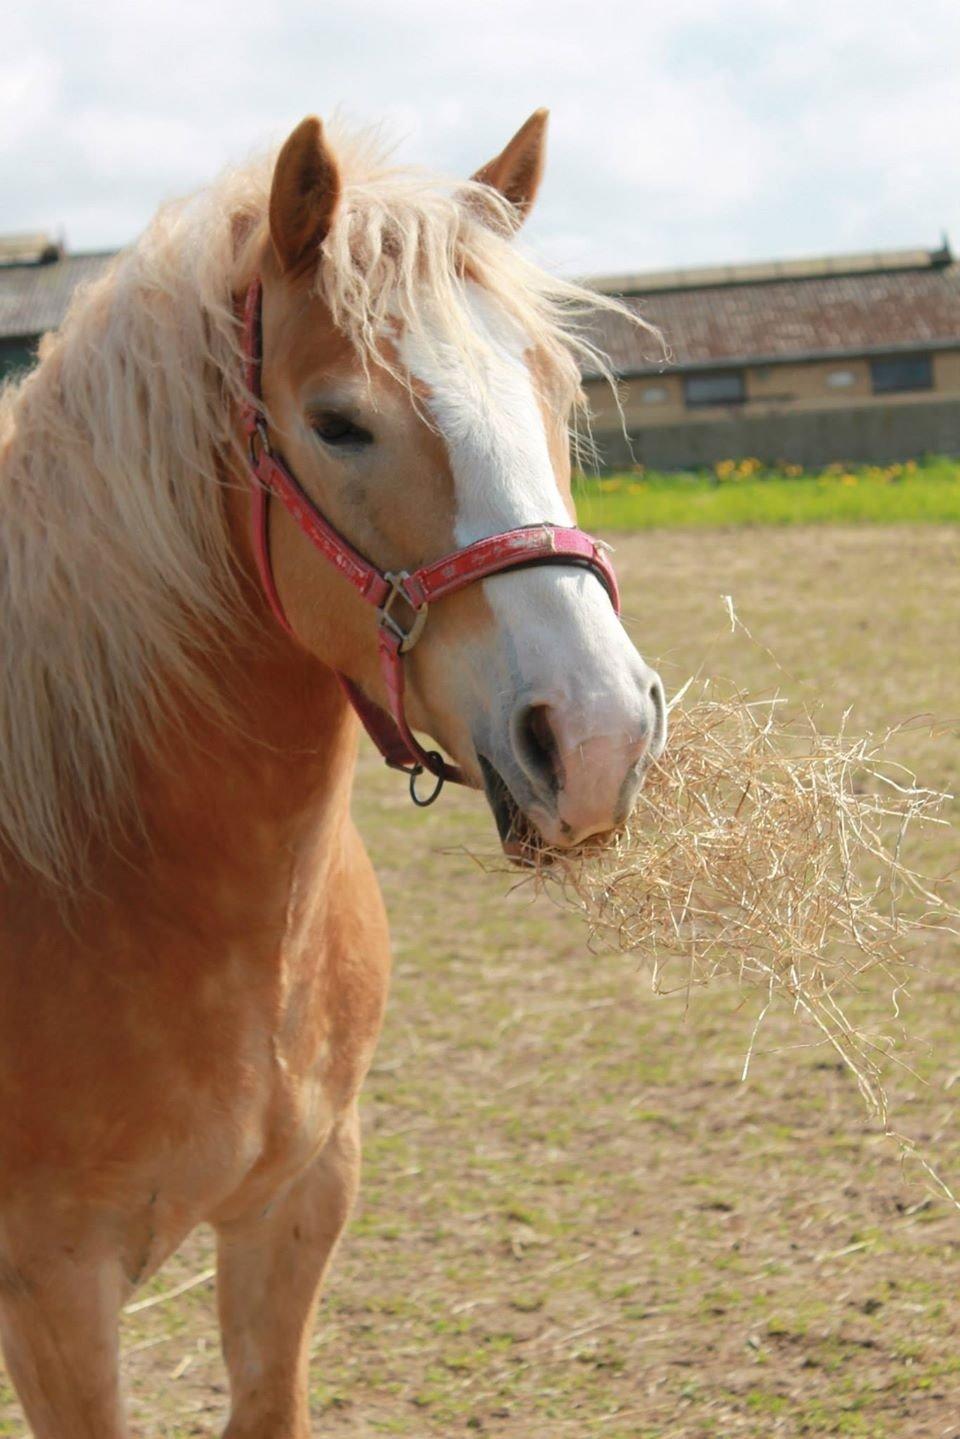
<point x="576" y="1220"/>
<point x="747" y="493"/>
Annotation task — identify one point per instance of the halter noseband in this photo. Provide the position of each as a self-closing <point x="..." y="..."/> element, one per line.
<point x="387" y="591"/>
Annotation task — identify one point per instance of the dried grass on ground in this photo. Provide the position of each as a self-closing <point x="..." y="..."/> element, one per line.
<point x="575" y="1221"/>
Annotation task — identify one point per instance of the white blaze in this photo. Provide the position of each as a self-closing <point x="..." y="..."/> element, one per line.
<point x="492" y="424"/>
<point x="558" y="645"/>
<point x="503" y="478"/>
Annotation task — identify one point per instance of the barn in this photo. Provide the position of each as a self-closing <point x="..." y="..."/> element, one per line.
<point x="848" y="357"/>
<point x="37" y="279"/>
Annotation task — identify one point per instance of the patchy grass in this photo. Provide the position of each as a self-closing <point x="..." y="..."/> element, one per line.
<point x="746" y="492"/>
<point x="575" y="1220"/>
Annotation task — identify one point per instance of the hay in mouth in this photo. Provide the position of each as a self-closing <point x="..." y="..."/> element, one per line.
<point x="763" y="849"/>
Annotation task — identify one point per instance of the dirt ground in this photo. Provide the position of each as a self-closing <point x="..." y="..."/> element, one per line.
<point x="575" y="1219"/>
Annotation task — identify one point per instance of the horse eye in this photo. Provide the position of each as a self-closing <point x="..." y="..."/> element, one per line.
<point x="337" y="430"/>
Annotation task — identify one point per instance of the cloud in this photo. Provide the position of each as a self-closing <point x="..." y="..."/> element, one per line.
<point x="697" y="132"/>
<point x="28" y="94"/>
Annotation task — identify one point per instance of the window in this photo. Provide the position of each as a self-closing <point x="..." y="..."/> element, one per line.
<point x="16" y="355"/>
<point x="719" y="387"/>
<point x="841" y="379"/>
<point x="654" y="395"/>
<point x="901" y="372"/>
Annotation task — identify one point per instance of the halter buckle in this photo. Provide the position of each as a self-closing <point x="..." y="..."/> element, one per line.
<point x="388" y="621"/>
<point x="257" y="431"/>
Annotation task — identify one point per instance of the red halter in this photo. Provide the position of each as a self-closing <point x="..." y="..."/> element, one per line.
<point x="384" y="590"/>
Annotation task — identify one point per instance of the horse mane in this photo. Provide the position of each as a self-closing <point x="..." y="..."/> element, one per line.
<point x="116" y="568"/>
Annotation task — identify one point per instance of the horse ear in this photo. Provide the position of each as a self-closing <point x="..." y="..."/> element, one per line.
<point x="304" y="194"/>
<point x="517" y="171"/>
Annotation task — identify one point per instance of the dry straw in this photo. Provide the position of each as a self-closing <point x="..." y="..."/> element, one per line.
<point x="763" y="849"/>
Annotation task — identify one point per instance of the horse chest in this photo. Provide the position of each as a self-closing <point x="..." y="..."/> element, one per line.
<point x="296" y="1105"/>
<point x="309" y="1031"/>
<point x="272" y="1089"/>
<point x="190" y="1071"/>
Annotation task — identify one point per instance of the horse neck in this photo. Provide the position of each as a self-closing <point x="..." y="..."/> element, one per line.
<point x="235" y="786"/>
<point x="265" y="788"/>
<point x="250" y="793"/>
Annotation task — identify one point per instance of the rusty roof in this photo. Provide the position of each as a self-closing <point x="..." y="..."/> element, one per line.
<point x="785" y="310"/>
<point x="34" y="297"/>
<point x="807" y="268"/>
<point x="825" y="309"/>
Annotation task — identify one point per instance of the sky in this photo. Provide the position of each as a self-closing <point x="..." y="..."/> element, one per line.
<point x="684" y="132"/>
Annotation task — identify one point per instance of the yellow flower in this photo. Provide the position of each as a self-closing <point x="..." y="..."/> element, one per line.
<point x="607" y="486"/>
<point x="637" y="488"/>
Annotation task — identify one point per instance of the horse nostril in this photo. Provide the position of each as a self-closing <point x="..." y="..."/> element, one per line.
<point x="658" y="732"/>
<point x="537" y="745"/>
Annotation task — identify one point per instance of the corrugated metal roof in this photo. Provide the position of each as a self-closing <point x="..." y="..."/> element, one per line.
<point x="838" y="306"/>
<point x="718" y="322"/>
<point x="34" y="298"/>
<point x="760" y="271"/>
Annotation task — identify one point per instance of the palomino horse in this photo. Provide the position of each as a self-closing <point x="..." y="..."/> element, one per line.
<point x="195" y="954"/>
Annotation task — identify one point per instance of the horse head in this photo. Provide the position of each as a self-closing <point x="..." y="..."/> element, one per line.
<point x="417" y="380"/>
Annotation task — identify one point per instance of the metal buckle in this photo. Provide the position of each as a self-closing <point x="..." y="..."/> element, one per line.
<point x="408" y="638"/>
<point x="259" y="432"/>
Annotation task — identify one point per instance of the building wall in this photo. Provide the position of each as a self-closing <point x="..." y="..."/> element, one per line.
<point x="874" y="434"/>
<point x="791" y="412"/>
<point x="946" y="372"/>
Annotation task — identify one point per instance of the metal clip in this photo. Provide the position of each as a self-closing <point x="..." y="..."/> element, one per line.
<point x="388" y="621"/>
<point x="415" y="773"/>
<point x="259" y="432"/>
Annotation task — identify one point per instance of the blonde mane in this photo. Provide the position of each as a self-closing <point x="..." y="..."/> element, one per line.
<point x="116" y="568"/>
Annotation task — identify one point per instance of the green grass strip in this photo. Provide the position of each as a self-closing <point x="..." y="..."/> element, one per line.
<point x="746" y="492"/>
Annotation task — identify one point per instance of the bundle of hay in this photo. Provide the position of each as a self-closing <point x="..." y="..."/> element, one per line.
<point x="765" y="850"/>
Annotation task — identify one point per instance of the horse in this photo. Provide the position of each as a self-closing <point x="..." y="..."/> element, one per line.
<point x="299" y="459"/>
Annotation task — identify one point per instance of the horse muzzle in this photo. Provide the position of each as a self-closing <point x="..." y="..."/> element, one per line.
<point x="569" y="771"/>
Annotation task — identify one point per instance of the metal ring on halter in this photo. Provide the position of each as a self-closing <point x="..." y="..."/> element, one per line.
<point x="415" y="774"/>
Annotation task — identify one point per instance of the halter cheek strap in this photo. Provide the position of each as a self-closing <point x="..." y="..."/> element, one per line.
<point x="401" y="599"/>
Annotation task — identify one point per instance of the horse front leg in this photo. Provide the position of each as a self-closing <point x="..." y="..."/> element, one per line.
<point x="59" y="1317"/>
<point x="269" y="1272"/>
